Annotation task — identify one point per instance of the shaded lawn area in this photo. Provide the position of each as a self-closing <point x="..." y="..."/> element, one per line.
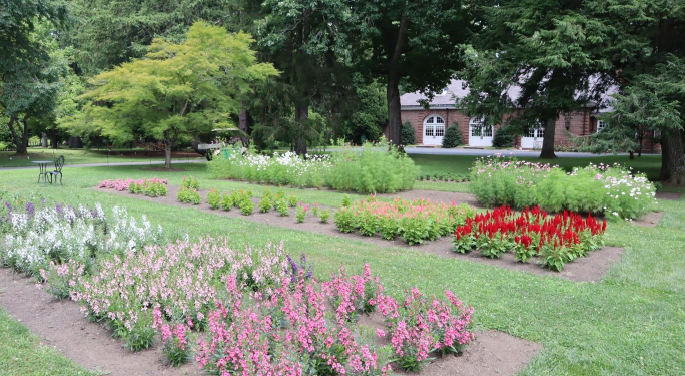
<point x="631" y="323"/>
<point x="460" y="164"/>
<point x="79" y="156"/>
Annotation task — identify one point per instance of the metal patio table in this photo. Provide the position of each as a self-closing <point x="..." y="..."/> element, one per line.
<point x="43" y="170"/>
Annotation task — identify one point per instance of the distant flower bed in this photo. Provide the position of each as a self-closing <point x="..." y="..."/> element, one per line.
<point x="368" y="170"/>
<point x="151" y="187"/>
<point x="556" y="240"/>
<point x="612" y="191"/>
<point x="414" y="221"/>
<point x="287" y="168"/>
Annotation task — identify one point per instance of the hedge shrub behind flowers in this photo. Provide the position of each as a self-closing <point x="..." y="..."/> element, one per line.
<point x="613" y="191"/>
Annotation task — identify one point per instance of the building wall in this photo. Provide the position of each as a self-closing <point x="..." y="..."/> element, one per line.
<point x="579" y="123"/>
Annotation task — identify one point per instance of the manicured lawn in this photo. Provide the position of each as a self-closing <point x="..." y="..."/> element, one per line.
<point x="75" y="156"/>
<point x="631" y="323"/>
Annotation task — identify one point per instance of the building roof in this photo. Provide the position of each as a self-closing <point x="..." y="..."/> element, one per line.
<point x="457" y="89"/>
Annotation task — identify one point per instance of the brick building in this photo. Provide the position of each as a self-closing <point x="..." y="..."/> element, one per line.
<point x="430" y="124"/>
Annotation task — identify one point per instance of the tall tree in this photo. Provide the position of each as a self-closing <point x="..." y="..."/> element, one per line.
<point x="110" y="32"/>
<point x="650" y="70"/>
<point x="176" y="90"/>
<point x="306" y="41"/>
<point x="410" y="42"/>
<point x="541" y="58"/>
<point x="28" y="77"/>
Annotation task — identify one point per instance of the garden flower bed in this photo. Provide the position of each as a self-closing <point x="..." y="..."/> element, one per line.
<point x="613" y="191"/>
<point x="414" y="221"/>
<point x="150" y="187"/>
<point x="557" y="239"/>
<point x="368" y="171"/>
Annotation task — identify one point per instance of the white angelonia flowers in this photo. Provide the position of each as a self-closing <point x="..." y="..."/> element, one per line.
<point x="59" y="233"/>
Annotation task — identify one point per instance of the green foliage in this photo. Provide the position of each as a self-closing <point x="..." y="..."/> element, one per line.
<point x="226" y="202"/>
<point x="605" y="190"/>
<point x="292" y="200"/>
<point x="190" y="182"/>
<point x="367" y="114"/>
<point x="189" y="195"/>
<point x="176" y="90"/>
<point x="324" y="215"/>
<point x="452" y="137"/>
<point x="264" y="204"/>
<point x="346" y="201"/>
<point x="214" y="199"/>
<point x="408" y="134"/>
<point x="344" y="220"/>
<point x="300" y="213"/>
<point x="503" y="138"/>
<point x="154" y="189"/>
<point x="246" y="206"/>
<point x="372" y="171"/>
<point x="281" y="206"/>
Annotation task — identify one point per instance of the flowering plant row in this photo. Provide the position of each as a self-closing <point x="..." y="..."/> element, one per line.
<point x="151" y="187"/>
<point x="293" y="332"/>
<point x="556" y="239"/>
<point x="414" y="221"/>
<point x="613" y="191"/>
<point x="371" y="170"/>
<point x="60" y="233"/>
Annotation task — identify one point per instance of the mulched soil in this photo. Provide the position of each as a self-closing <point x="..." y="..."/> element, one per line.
<point x="61" y="325"/>
<point x="649" y="219"/>
<point x="585" y="269"/>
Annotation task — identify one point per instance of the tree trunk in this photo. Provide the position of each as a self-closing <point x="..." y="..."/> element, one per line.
<point x="19" y="138"/>
<point x="393" y="130"/>
<point x="548" y="139"/>
<point x="243" y="123"/>
<point x="672" y="158"/>
<point x="301" y="116"/>
<point x="167" y="154"/>
<point x="53" y="140"/>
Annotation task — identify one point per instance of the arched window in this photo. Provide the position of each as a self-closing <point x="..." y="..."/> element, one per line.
<point x="478" y="129"/>
<point x="434" y="125"/>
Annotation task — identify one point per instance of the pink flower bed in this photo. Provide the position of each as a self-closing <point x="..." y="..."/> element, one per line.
<point x="123" y="184"/>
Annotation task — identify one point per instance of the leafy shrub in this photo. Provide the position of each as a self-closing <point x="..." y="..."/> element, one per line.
<point x="281" y="206"/>
<point x="189" y="195"/>
<point x="292" y="201"/>
<point x="452" y="137"/>
<point x="264" y="204"/>
<point x="155" y="189"/>
<point x="214" y="199"/>
<point x="372" y="171"/>
<point x="408" y="134"/>
<point x="324" y="215"/>
<point x="190" y="182"/>
<point x="598" y="189"/>
<point x="503" y="138"/>
<point x="226" y="202"/>
<point x="300" y="213"/>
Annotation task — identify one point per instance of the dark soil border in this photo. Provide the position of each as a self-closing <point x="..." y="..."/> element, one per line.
<point x="585" y="269"/>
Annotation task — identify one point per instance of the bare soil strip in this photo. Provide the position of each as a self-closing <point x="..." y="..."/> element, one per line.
<point x="61" y="325"/>
<point x="584" y="269"/>
<point x="673" y="196"/>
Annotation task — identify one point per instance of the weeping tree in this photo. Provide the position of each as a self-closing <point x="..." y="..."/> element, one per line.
<point x="176" y="90"/>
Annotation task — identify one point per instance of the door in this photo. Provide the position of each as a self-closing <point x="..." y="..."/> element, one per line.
<point x="533" y="140"/>
<point x="433" y="130"/>
<point x="480" y="135"/>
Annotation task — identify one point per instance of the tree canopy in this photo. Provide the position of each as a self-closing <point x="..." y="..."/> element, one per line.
<point x="176" y="90"/>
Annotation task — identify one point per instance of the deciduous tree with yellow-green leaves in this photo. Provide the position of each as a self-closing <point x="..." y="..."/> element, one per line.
<point x="175" y="90"/>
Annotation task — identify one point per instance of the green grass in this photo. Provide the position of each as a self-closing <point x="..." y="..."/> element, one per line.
<point x="74" y="156"/>
<point x="21" y="353"/>
<point x="630" y="323"/>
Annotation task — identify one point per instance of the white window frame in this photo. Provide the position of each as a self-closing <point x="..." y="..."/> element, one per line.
<point x="603" y="123"/>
